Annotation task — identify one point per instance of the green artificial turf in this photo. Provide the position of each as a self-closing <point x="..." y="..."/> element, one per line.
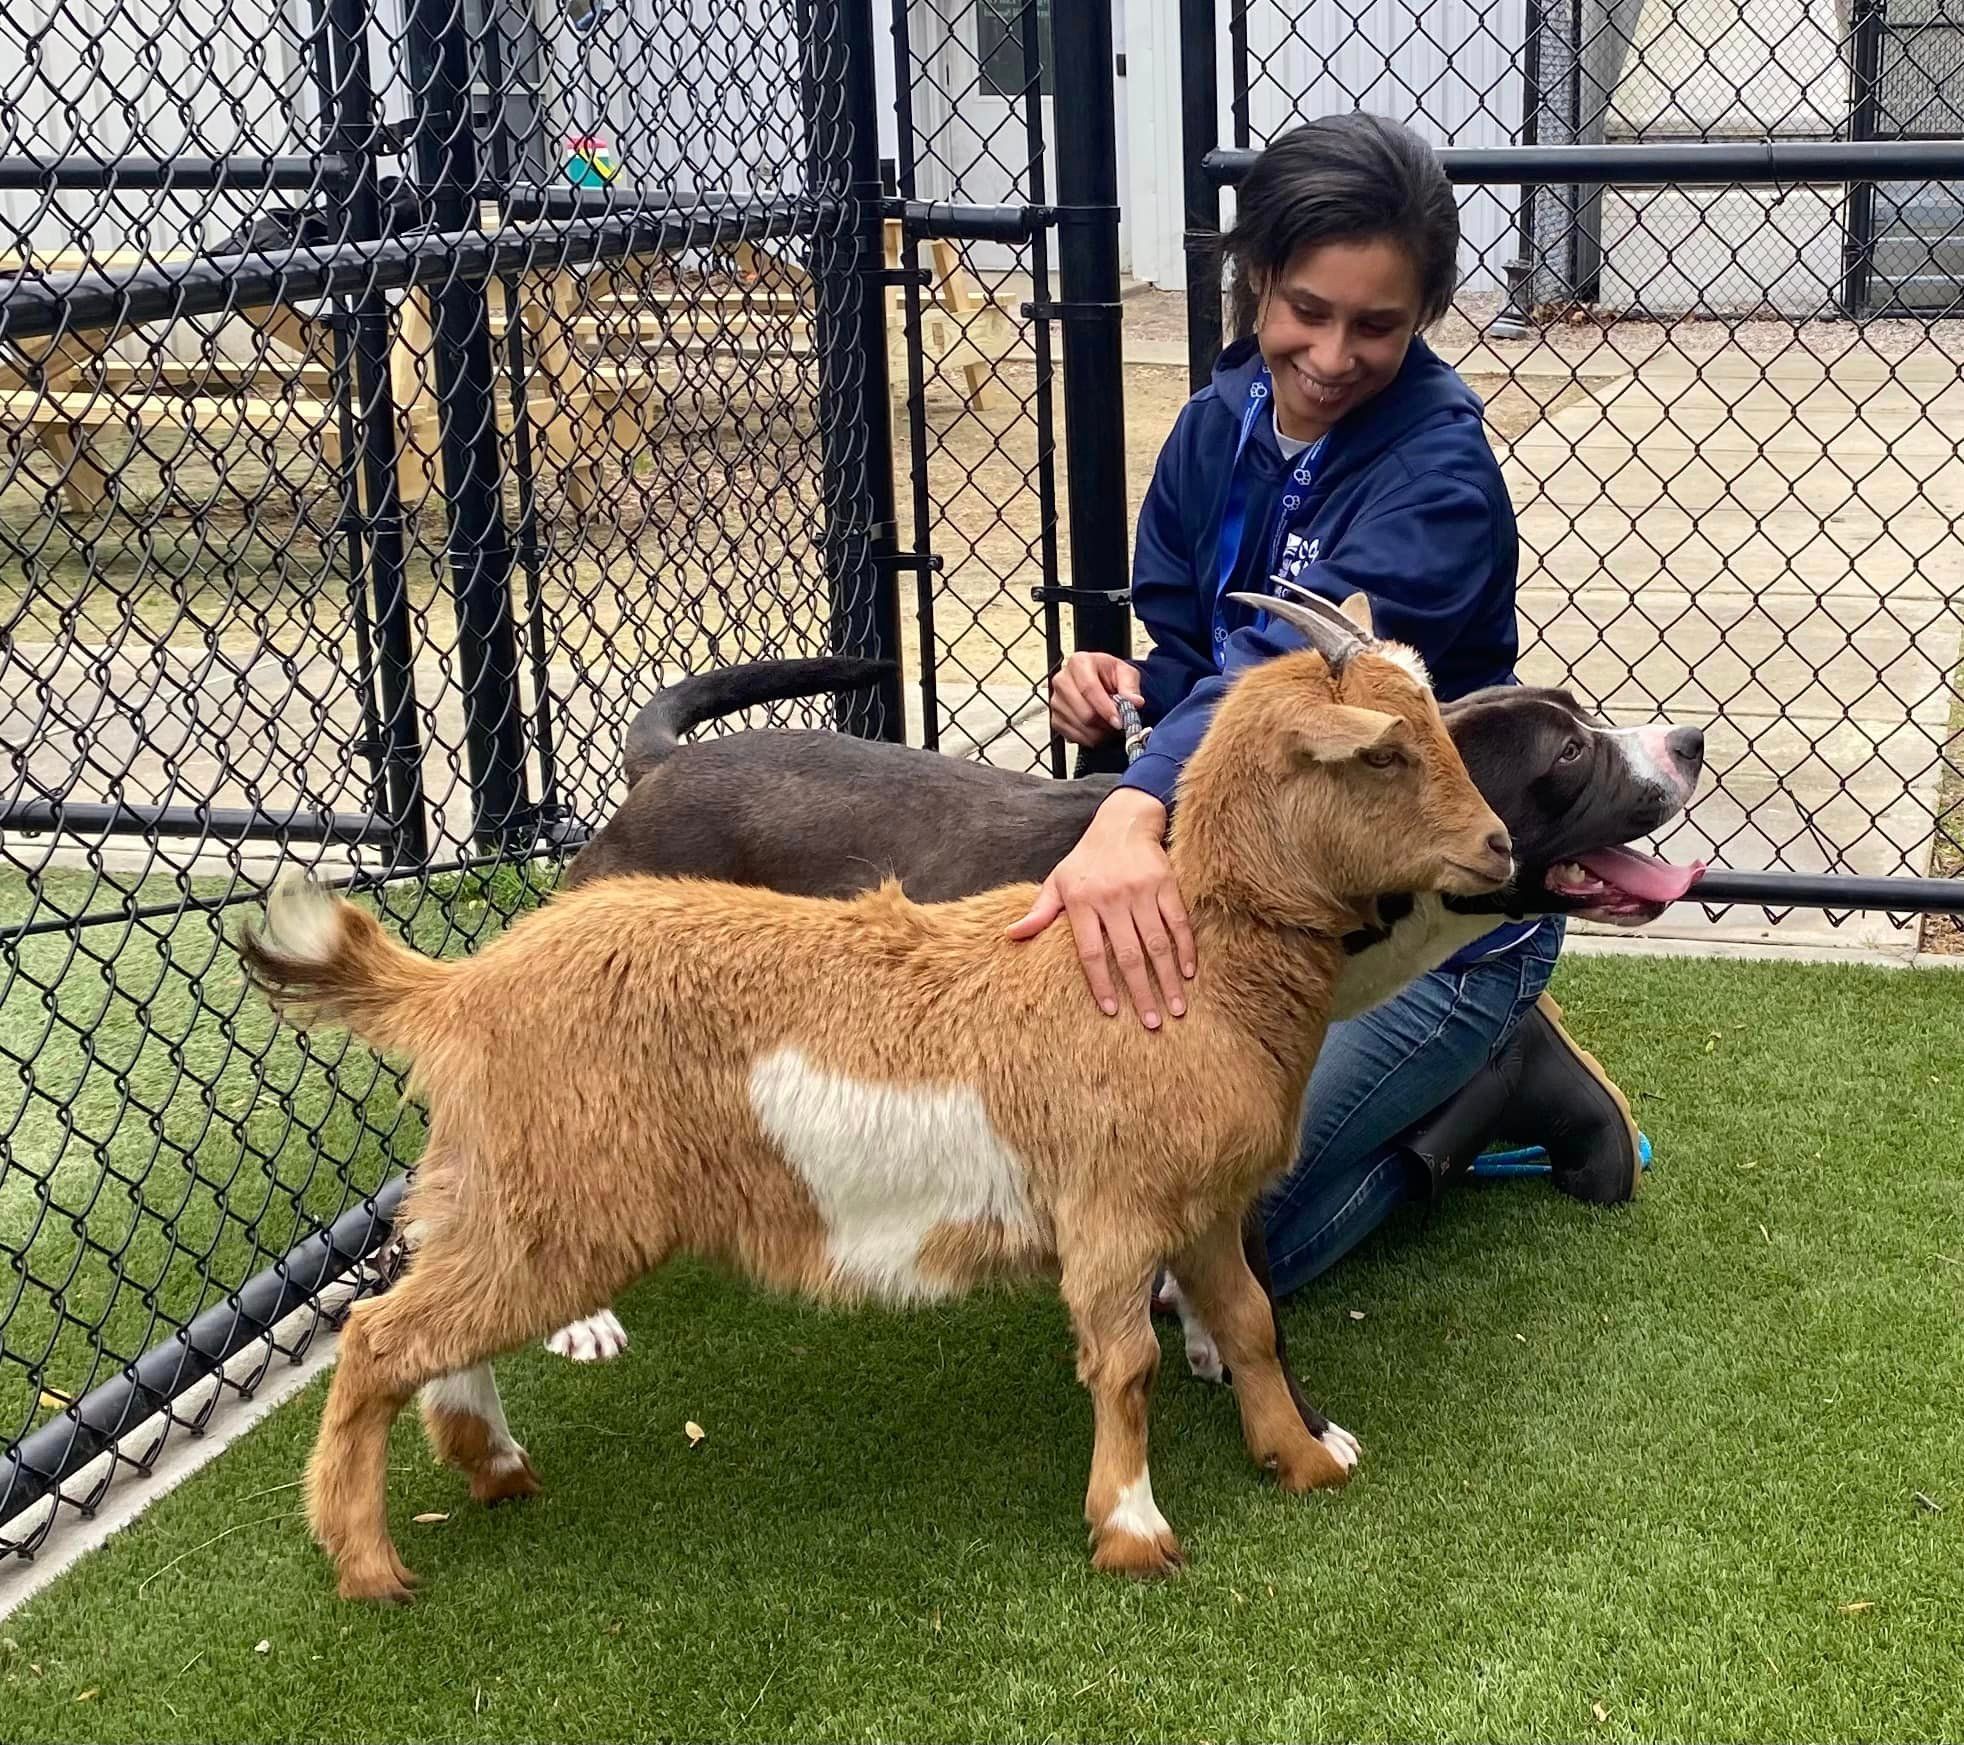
<point x="1690" y="1468"/>
<point x="165" y="1137"/>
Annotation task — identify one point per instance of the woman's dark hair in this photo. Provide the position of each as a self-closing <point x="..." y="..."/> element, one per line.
<point x="1344" y="178"/>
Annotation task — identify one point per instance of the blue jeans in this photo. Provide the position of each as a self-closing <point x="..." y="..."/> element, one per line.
<point x="1379" y="1075"/>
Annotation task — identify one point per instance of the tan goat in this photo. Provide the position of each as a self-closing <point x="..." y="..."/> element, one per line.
<point x="871" y="1098"/>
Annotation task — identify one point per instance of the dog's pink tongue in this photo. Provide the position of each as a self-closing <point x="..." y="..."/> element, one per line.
<point x="1643" y="876"/>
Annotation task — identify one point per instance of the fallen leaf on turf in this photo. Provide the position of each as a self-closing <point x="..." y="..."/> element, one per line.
<point x="1767" y="1234"/>
<point x="1357" y="1314"/>
<point x="49" y="1398"/>
<point x="262" y="1646"/>
<point x="1858" y="1605"/>
<point x="937" y="1620"/>
<point x="89" y="1694"/>
<point x="693" y="1431"/>
<point x="1522" y="1337"/>
<point x="1601" y="1713"/>
<point x="1928" y="1502"/>
<point x="431" y="1519"/>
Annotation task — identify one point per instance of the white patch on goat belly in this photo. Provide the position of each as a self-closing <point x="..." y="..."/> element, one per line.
<point x="886" y="1164"/>
<point x="1135" y="1512"/>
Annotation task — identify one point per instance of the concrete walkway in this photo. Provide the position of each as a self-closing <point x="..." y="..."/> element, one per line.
<point x="1770" y="550"/>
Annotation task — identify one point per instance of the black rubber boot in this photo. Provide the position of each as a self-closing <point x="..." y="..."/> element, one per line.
<point x="1543" y="1090"/>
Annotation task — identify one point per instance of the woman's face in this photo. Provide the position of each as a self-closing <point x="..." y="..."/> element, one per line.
<point x="1333" y="327"/>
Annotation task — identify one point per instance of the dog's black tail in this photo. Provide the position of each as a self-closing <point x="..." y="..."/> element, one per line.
<point x="655" y="733"/>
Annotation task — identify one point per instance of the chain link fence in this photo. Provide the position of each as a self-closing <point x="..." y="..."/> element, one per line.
<point x="395" y="392"/>
<point x="1712" y="293"/>
<point x="392" y="392"/>
<point x="989" y="491"/>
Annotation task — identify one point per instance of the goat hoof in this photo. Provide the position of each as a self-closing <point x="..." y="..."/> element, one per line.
<point x="382" y="1581"/>
<point x="506" y="1481"/>
<point x="1144" y="1557"/>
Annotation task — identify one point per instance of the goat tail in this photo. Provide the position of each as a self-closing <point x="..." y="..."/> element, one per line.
<point x="320" y="958"/>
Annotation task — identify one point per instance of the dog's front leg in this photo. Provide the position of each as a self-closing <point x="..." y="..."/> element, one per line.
<point x="1284" y="1433"/>
<point x="597" y="1339"/>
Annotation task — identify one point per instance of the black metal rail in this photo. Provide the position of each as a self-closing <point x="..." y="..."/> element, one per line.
<point x="1688" y="164"/>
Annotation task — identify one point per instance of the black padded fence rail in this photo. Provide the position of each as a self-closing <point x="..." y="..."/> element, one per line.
<point x="1738" y="163"/>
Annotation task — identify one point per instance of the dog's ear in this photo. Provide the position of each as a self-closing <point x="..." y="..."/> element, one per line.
<point x="1358" y="610"/>
<point x="1338" y="732"/>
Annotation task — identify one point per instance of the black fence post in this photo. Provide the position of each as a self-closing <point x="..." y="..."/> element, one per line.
<point x="1864" y="118"/>
<point x="840" y="105"/>
<point x="1516" y="319"/>
<point x="353" y="132"/>
<point x="1200" y="130"/>
<point x="479" y="547"/>
<point x="1238" y="71"/>
<point x="1088" y="308"/>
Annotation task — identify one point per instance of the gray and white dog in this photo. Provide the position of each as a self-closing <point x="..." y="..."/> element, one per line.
<point x="817" y="813"/>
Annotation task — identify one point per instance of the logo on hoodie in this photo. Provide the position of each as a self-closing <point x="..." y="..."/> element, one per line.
<point x="1298" y="553"/>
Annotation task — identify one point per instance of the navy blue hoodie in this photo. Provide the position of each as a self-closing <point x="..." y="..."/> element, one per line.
<point x="1408" y="506"/>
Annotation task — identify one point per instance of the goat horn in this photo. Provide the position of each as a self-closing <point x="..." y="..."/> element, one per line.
<point x="1328" y="607"/>
<point x="1336" y="639"/>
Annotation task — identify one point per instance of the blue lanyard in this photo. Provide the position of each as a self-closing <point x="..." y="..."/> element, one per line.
<point x="1234" y="517"/>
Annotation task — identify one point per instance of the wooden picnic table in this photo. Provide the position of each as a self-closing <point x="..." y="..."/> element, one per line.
<point x="595" y="337"/>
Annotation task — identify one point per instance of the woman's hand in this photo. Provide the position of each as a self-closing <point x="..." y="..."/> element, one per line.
<point x="1083" y="693"/>
<point x="1117" y="885"/>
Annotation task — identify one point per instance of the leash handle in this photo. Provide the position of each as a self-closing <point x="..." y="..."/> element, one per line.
<point x="1136" y="731"/>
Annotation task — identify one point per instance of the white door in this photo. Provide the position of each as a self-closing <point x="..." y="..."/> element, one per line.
<point x="970" y="115"/>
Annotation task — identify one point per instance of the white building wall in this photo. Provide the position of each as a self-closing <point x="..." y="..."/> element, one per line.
<point x="1716" y="70"/>
<point x="1447" y="68"/>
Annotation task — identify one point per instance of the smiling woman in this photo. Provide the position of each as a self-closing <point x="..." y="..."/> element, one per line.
<point x="1333" y="452"/>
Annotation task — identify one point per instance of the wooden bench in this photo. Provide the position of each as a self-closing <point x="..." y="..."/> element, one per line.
<point x="582" y="401"/>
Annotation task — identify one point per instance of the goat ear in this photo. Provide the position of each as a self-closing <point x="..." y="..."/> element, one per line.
<point x="1337" y="733"/>
<point x="1358" y="610"/>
